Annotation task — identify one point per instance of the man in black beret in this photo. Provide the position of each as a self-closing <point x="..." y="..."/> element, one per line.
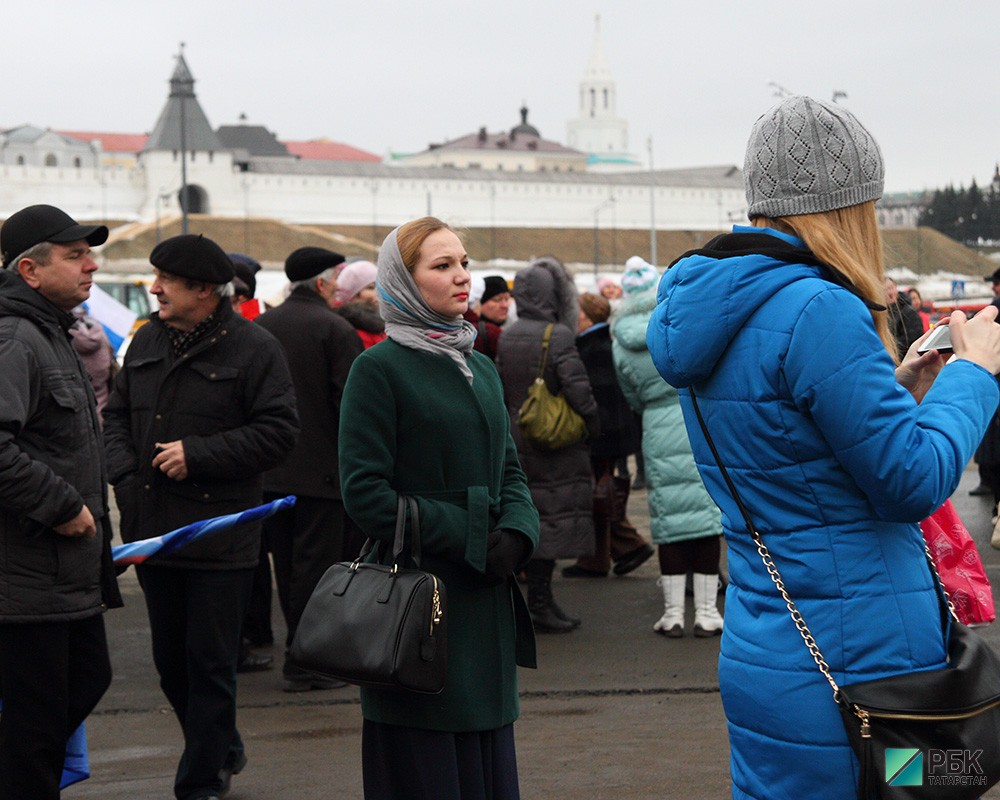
<point x="317" y="268"/>
<point x="203" y="405"/>
<point x="321" y="347"/>
<point x="56" y="575"/>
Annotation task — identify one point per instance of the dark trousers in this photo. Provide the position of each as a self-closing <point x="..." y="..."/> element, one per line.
<point x="52" y="674"/>
<point x="304" y="541"/>
<point x="257" y="621"/>
<point x="400" y="763"/>
<point x="195" y="618"/>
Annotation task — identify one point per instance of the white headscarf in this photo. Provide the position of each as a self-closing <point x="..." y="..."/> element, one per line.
<point x="409" y="321"/>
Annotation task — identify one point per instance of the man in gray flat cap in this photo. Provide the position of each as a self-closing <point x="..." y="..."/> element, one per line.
<point x="56" y="575"/>
<point x="203" y="405"/>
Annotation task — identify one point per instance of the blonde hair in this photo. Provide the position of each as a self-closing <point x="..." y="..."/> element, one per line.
<point x="411" y="235"/>
<point x="849" y="240"/>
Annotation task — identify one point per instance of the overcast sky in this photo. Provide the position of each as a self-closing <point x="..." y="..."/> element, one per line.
<point x="921" y="75"/>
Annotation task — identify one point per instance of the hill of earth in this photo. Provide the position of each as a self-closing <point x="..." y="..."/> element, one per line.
<point x="923" y="251"/>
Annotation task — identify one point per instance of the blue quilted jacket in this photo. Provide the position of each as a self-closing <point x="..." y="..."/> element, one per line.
<point x="837" y="464"/>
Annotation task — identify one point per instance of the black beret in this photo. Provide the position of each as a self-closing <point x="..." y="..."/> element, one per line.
<point x="193" y="256"/>
<point x="246" y="269"/>
<point x="994" y="277"/>
<point x="495" y="284"/>
<point x="308" y="262"/>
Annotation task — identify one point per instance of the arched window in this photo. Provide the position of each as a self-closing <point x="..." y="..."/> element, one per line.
<point x="77" y="163"/>
<point x="51" y="161"/>
<point x="605" y="98"/>
<point x="20" y="161"/>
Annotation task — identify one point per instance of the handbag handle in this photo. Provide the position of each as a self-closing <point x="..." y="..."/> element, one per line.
<point x="404" y="503"/>
<point x="545" y="351"/>
<point x="772" y="569"/>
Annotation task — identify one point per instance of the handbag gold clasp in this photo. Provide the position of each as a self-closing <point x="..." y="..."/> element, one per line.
<point x="437" y="612"/>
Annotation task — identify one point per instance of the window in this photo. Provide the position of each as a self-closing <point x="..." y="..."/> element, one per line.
<point x="20" y="161"/>
<point x="77" y="163"/>
<point x="51" y="161"/>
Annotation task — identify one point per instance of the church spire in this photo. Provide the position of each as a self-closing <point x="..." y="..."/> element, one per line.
<point x="597" y="69"/>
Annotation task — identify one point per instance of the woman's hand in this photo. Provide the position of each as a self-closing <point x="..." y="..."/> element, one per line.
<point x="917" y="371"/>
<point x="977" y="339"/>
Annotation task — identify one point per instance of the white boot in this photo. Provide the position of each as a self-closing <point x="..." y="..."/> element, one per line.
<point x="707" y="619"/>
<point x="671" y="624"/>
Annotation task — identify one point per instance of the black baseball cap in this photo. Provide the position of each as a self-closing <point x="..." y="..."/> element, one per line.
<point x="36" y="224"/>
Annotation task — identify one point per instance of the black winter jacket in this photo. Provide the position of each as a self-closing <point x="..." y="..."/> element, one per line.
<point x="619" y="425"/>
<point x="320" y="346"/>
<point x="51" y="464"/>
<point x="230" y="400"/>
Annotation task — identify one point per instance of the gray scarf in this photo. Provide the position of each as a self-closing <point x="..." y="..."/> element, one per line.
<point x="409" y="321"/>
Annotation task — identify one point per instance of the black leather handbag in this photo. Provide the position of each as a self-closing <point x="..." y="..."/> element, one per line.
<point x="378" y="625"/>
<point x="929" y="735"/>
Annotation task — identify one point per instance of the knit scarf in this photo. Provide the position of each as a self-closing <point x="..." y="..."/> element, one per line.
<point x="409" y="321"/>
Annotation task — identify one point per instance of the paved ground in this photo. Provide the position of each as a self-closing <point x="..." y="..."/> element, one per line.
<point x="614" y="711"/>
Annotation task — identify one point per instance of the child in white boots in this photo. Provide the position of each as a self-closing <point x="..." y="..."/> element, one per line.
<point x="707" y="619"/>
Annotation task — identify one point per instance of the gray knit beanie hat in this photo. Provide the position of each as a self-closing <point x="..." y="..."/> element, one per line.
<point x="805" y="156"/>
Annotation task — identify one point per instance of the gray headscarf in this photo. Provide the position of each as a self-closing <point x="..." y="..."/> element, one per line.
<point x="409" y="321"/>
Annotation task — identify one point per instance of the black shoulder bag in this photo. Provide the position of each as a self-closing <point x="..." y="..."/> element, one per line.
<point x="930" y="735"/>
<point x="377" y="625"/>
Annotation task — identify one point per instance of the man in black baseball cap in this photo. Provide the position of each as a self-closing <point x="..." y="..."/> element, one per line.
<point x="34" y="225"/>
<point x="56" y="570"/>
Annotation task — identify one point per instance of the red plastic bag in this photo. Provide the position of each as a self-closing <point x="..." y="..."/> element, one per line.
<point x="959" y="565"/>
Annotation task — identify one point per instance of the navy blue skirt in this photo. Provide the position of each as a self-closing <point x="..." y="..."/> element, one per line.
<point x="402" y="763"/>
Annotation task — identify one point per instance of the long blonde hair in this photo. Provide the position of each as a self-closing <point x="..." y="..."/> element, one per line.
<point x="848" y="239"/>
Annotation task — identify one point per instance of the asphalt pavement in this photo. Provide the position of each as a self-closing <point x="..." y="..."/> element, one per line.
<point x="613" y="711"/>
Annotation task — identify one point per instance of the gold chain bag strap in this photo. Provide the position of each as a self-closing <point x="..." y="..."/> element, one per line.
<point x="546" y="419"/>
<point x="929" y="735"/>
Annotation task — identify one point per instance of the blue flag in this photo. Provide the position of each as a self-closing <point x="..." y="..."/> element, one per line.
<point x="138" y="552"/>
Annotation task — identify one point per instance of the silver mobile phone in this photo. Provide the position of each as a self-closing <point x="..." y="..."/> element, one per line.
<point x="940" y="340"/>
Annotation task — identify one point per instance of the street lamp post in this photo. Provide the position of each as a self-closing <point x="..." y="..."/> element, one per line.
<point x="597" y="242"/>
<point x="652" y="205"/>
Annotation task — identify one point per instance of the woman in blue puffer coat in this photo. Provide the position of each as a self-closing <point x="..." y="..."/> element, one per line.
<point x="684" y="521"/>
<point x="836" y="452"/>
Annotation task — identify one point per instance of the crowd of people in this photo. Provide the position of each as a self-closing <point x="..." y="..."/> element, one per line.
<point x="338" y="395"/>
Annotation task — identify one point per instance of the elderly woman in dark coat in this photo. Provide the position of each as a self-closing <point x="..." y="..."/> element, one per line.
<point x="560" y="480"/>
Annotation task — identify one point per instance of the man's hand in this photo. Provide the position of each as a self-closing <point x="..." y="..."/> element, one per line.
<point x="169" y="460"/>
<point x="81" y="525"/>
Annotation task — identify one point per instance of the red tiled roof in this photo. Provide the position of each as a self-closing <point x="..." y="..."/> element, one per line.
<point x="112" y="142"/>
<point x="325" y="150"/>
<point x="317" y="149"/>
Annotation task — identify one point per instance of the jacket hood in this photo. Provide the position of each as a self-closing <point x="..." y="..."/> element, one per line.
<point x="20" y="300"/>
<point x="632" y="319"/>
<point x="362" y="315"/>
<point x="544" y="290"/>
<point x="707" y="295"/>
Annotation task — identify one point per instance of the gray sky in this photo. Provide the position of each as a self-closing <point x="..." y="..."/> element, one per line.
<point x="694" y="76"/>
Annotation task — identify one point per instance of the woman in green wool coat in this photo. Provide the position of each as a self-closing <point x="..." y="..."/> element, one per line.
<point x="423" y="415"/>
<point x="685" y="523"/>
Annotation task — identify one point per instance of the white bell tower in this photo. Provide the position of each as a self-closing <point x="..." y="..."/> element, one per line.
<point x="597" y="129"/>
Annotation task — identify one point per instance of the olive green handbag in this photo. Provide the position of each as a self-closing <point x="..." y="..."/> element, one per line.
<point x="546" y="419"/>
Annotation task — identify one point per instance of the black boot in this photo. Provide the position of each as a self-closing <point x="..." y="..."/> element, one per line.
<point x="545" y="614"/>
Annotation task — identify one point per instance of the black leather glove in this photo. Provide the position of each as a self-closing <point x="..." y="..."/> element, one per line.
<point x="505" y="552"/>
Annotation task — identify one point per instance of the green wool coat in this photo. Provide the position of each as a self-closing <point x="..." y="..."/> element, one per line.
<point x="411" y="423"/>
